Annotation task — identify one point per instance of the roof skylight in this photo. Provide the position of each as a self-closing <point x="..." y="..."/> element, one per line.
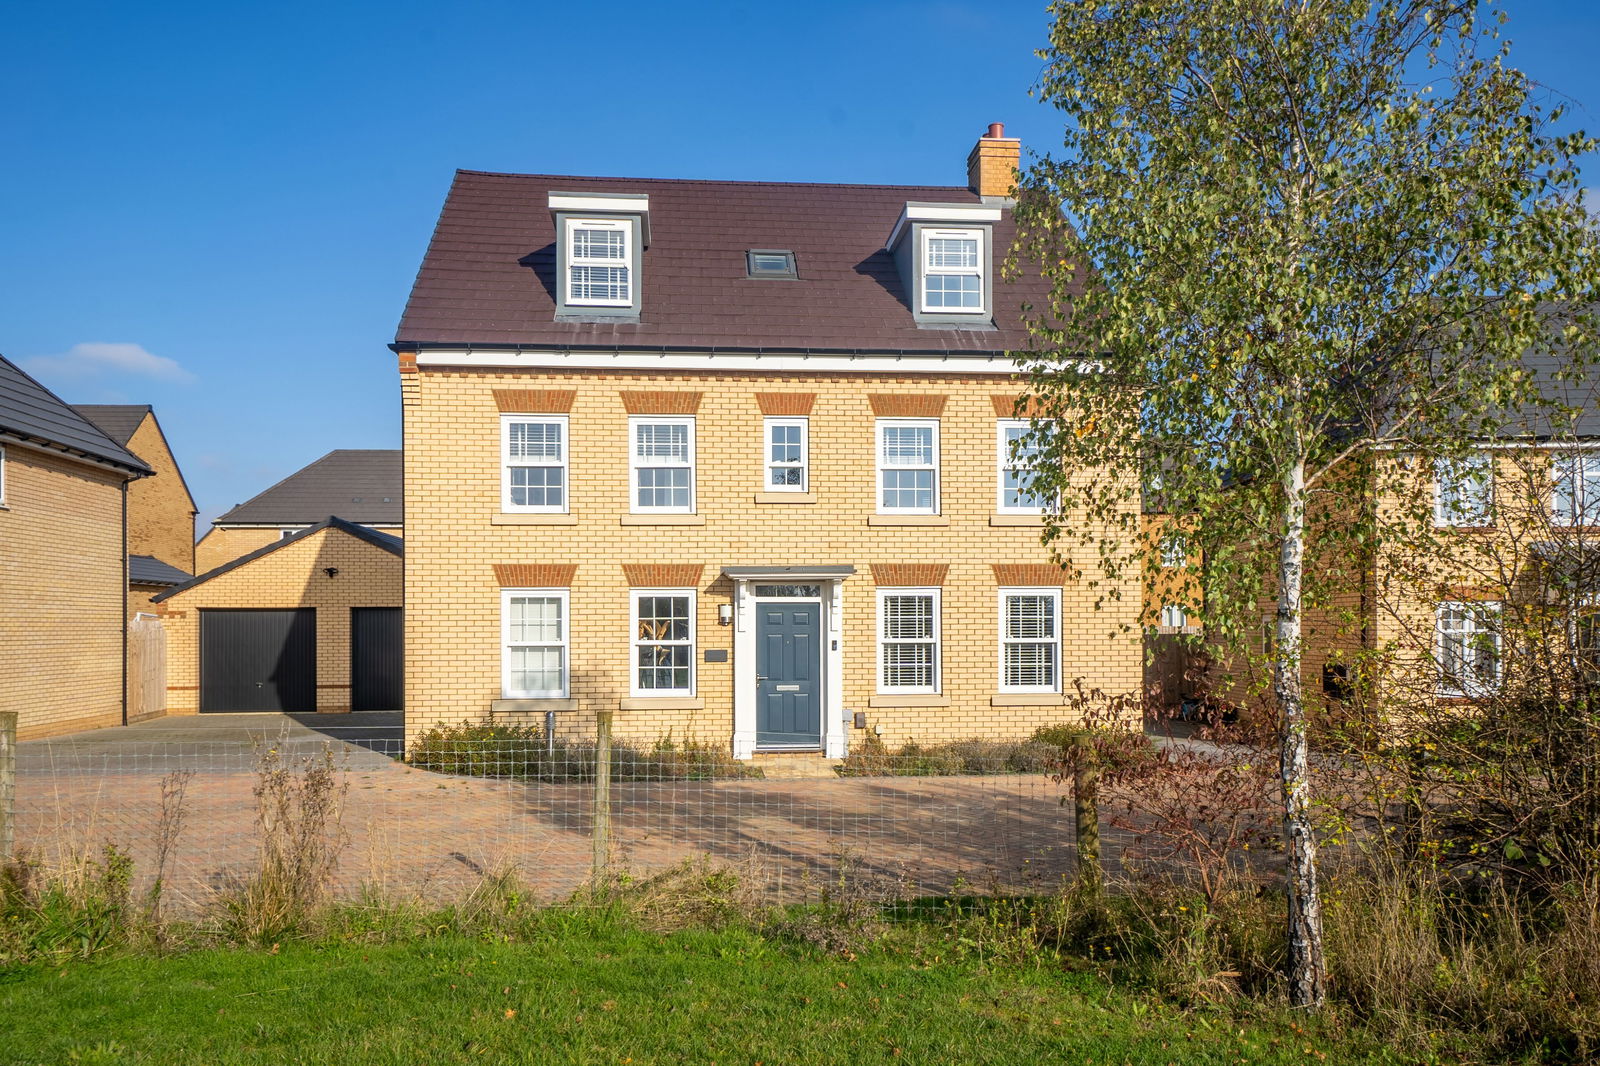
<point x="767" y="263"/>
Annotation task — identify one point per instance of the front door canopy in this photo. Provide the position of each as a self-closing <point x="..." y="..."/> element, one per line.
<point x="788" y="574"/>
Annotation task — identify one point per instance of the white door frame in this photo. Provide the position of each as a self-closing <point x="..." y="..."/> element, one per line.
<point x="744" y="659"/>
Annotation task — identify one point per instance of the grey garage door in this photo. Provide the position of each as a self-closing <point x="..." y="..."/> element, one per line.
<point x="258" y="660"/>
<point x="377" y="671"/>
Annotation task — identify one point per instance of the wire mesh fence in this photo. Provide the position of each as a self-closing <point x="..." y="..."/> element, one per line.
<point x="431" y="823"/>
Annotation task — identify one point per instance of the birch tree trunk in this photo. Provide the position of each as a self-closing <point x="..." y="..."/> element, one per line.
<point x="1307" y="969"/>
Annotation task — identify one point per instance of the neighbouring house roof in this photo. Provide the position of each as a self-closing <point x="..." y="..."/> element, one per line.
<point x="33" y="414"/>
<point x="388" y="542"/>
<point x="360" y="484"/>
<point x="1573" y="392"/>
<point x="119" y="421"/>
<point x="488" y="278"/>
<point x="148" y="570"/>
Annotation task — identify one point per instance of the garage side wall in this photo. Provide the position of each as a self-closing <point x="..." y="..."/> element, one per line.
<point x="61" y="567"/>
<point x="293" y="576"/>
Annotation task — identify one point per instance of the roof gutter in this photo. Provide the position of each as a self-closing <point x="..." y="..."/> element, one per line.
<point x="696" y="349"/>
<point x="50" y="447"/>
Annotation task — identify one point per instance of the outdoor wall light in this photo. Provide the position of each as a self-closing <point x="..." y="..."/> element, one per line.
<point x="330" y="571"/>
<point x="724" y="614"/>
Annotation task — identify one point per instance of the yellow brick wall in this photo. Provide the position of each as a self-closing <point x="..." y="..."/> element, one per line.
<point x="160" y="512"/>
<point x="452" y="439"/>
<point x="61" y="566"/>
<point x="222" y="545"/>
<point x="290" y="577"/>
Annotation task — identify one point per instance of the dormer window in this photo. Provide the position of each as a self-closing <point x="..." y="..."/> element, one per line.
<point x="952" y="270"/>
<point x="600" y="240"/>
<point x="945" y="253"/>
<point x="599" y="262"/>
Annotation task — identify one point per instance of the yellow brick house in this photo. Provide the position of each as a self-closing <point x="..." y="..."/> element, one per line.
<point x="63" y="563"/>
<point x="732" y="460"/>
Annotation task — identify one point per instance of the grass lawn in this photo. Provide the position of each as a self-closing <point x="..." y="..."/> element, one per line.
<point x="605" y="995"/>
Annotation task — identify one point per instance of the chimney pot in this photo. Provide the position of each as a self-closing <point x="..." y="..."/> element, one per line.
<point x="996" y="129"/>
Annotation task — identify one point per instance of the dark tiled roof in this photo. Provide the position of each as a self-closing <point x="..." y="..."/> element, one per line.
<point x="148" y="570"/>
<point x="32" y="412"/>
<point x="364" y="485"/>
<point x="116" y="420"/>
<point x="489" y="274"/>
<point x="1573" y="392"/>
<point x="391" y="544"/>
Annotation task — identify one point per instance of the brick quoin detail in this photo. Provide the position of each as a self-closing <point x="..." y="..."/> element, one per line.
<point x="408" y="362"/>
<point x="661" y="403"/>
<point x="530" y="401"/>
<point x="786" y="403"/>
<point x="534" y="575"/>
<point x="920" y="575"/>
<point x="662" y="575"/>
<point x="1028" y="574"/>
<point x="1015" y="405"/>
<point x="907" y="405"/>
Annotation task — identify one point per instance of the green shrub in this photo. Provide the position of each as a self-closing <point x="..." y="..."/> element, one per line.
<point x="488" y="749"/>
<point x="870" y="757"/>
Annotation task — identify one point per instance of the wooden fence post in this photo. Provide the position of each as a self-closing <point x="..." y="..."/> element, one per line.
<point x="8" y="784"/>
<point x="1086" y="805"/>
<point x="602" y="799"/>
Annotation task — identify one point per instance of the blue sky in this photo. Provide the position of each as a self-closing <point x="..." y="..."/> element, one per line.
<point x="218" y="208"/>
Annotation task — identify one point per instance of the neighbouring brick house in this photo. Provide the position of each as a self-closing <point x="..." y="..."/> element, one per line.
<point x="161" y="509"/>
<point x="307" y="622"/>
<point x="63" y="562"/>
<point x="360" y="485"/>
<point x="730" y="459"/>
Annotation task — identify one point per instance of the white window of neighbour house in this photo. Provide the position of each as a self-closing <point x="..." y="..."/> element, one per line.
<point x="533" y="458"/>
<point x="1174" y="551"/>
<point x="534" y="642"/>
<point x="1018" y="458"/>
<point x="599" y="262"/>
<point x="1467" y="648"/>
<point x="952" y="270"/>
<point x="787" y="449"/>
<point x="1463" y="490"/>
<point x="661" y="463"/>
<point x="663" y="642"/>
<point x="908" y="640"/>
<point x="908" y="466"/>
<point x="1030" y="640"/>
<point x="1174" y="617"/>
<point x="1577" y="488"/>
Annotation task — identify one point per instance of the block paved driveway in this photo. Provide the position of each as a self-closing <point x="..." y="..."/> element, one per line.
<point x="416" y="833"/>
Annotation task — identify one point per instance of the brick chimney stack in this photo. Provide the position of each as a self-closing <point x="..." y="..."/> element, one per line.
<point x="993" y="163"/>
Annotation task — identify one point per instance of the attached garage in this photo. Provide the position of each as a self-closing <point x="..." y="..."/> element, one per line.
<point x="258" y="660"/>
<point x="311" y="622"/>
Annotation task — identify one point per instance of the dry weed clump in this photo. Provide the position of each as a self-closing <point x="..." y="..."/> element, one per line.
<point x="299" y="812"/>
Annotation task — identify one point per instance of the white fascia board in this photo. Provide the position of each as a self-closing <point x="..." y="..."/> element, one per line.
<point x="979" y="363"/>
<point x="914" y="211"/>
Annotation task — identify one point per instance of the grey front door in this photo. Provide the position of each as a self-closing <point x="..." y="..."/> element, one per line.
<point x="788" y="675"/>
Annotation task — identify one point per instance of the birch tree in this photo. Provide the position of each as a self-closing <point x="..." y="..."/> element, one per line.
<point x="1282" y="234"/>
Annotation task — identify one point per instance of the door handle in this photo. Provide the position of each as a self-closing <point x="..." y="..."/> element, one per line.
<point x="763" y="677"/>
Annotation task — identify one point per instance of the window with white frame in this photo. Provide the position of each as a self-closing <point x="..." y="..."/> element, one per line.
<point x="787" y="454"/>
<point x="661" y="460"/>
<point x="1174" y="617"/>
<point x="533" y="463"/>
<point x="599" y="262"/>
<point x="908" y="640"/>
<point x="1175" y="551"/>
<point x="908" y="466"/>
<point x="1030" y="640"/>
<point x="1018" y="460"/>
<point x="952" y="270"/>
<point x="1467" y="647"/>
<point x="1463" y="490"/>
<point x="1577" y="489"/>
<point x="663" y="642"/>
<point x="534" y="642"/>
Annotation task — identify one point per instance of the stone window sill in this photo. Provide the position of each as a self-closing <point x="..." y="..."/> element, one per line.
<point x="533" y="520"/>
<point x="662" y="703"/>
<point x="1027" y="699"/>
<point x="663" y="520"/>
<point x="531" y="706"/>
<point x="786" y="497"/>
<point x="908" y="520"/>
<point x="909" y="699"/>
